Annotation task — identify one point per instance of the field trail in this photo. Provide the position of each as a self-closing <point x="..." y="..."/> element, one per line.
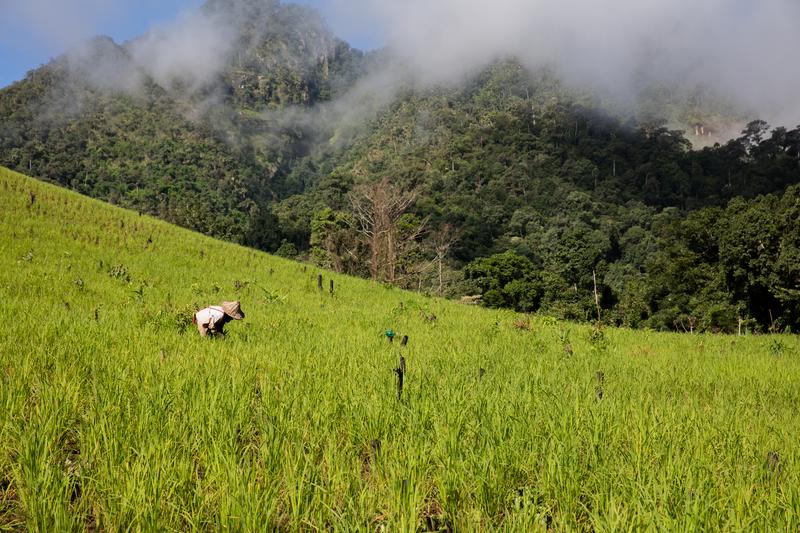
<point x="115" y="414"/>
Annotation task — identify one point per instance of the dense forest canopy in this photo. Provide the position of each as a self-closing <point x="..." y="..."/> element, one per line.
<point x="508" y="184"/>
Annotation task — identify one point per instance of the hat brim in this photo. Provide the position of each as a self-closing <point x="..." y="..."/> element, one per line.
<point x="233" y="310"/>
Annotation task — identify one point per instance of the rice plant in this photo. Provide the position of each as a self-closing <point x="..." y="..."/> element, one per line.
<point x="114" y="415"/>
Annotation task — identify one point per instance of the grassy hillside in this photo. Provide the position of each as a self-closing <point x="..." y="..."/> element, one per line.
<point x="115" y="414"/>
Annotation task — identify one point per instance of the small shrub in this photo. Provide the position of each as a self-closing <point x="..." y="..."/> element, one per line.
<point x="119" y="272"/>
<point x="172" y="318"/>
<point x="523" y="323"/>
<point x="427" y="316"/>
<point x="598" y="338"/>
<point x="238" y="285"/>
<point x="776" y="348"/>
<point x="548" y="321"/>
<point x="273" y="297"/>
<point x="287" y="250"/>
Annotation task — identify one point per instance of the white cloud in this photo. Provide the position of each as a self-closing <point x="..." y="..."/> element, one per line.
<point x="744" y="50"/>
<point x="192" y="50"/>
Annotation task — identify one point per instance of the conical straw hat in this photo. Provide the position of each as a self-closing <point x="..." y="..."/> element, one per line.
<point x="233" y="310"/>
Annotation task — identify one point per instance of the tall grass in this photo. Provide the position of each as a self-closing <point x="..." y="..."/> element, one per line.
<point x="115" y="414"/>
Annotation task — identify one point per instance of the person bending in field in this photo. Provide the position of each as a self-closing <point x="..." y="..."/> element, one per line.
<point x="212" y="319"/>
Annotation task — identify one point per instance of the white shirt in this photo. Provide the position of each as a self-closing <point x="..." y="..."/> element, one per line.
<point x="210" y="316"/>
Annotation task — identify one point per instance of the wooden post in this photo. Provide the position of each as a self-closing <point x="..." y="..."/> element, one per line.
<point x="331" y="287"/>
<point x="404" y="340"/>
<point x="400" y="371"/>
<point x="319" y="282"/>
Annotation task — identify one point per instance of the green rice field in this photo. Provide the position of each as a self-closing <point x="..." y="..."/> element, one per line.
<point x="115" y="415"/>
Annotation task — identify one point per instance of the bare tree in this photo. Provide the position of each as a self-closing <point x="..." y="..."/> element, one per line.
<point x="443" y="240"/>
<point x="378" y="207"/>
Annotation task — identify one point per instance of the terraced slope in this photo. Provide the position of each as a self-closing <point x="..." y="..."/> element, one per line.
<point x="115" y="414"/>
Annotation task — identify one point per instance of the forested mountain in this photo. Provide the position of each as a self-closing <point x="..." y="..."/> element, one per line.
<point x="508" y="184"/>
<point x="172" y="144"/>
<point x="672" y="238"/>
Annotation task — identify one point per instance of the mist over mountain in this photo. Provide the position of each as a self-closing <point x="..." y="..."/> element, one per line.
<point x="741" y="50"/>
<point x="567" y="144"/>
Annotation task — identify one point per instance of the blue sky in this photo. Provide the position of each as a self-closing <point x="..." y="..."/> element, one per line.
<point x="34" y="31"/>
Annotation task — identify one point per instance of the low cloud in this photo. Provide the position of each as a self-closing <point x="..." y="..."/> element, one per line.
<point x="744" y="51"/>
<point x="190" y="52"/>
<point x="187" y="52"/>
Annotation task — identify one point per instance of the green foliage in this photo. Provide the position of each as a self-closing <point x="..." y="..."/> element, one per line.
<point x="506" y="280"/>
<point x="287" y="250"/>
<point x="334" y="240"/>
<point x="264" y="230"/>
<point x="119" y="272"/>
